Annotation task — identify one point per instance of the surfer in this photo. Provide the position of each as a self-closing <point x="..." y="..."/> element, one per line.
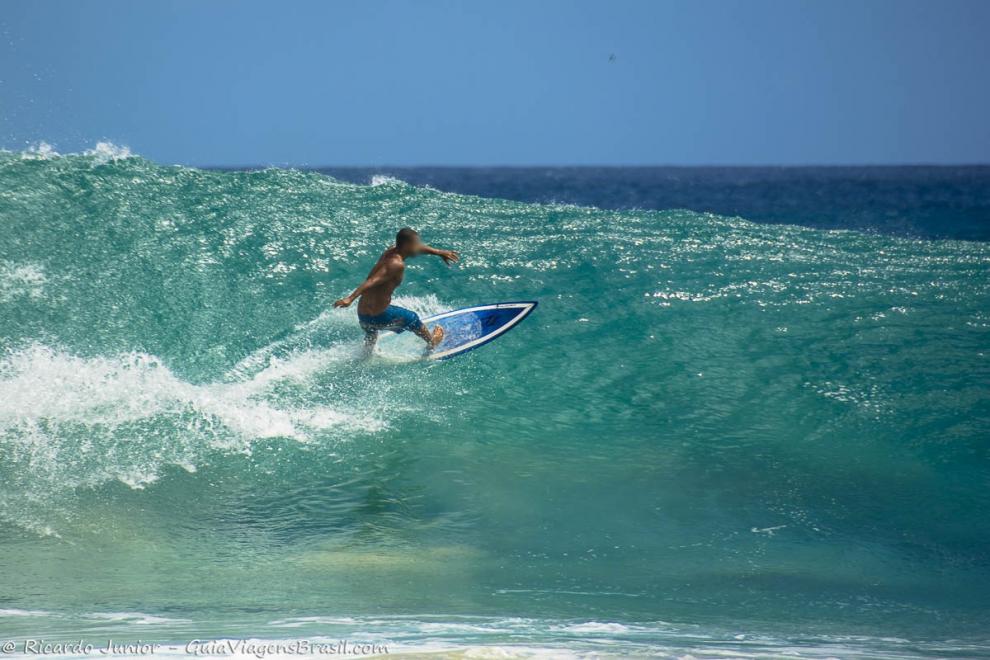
<point x="376" y="311"/>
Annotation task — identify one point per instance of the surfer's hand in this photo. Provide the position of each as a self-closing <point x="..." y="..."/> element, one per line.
<point x="343" y="302"/>
<point x="449" y="256"/>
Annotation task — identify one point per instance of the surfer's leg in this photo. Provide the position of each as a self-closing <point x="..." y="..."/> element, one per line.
<point x="370" y="339"/>
<point x="370" y="326"/>
<point x="410" y="321"/>
<point x="431" y="338"/>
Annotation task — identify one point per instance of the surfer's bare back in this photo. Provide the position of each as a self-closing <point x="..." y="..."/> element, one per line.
<point x="376" y="311"/>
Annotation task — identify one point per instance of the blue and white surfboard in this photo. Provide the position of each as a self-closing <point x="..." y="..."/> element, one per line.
<point x="471" y="327"/>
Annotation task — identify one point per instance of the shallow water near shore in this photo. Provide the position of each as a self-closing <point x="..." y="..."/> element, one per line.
<point x="713" y="437"/>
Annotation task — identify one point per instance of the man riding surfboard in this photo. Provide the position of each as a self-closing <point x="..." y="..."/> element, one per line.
<point x="376" y="311"/>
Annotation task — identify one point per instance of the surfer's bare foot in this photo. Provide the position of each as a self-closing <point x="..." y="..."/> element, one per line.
<point x="437" y="336"/>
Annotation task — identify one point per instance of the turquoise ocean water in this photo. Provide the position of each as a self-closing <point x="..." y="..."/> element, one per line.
<point x="713" y="438"/>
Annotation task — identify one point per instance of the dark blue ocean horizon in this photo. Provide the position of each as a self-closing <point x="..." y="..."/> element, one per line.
<point x="920" y="201"/>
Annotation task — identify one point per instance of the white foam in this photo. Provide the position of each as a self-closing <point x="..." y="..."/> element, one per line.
<point x="301" y="621"/>
<point x="596" y="627"/>
<point x="105" y="152"/>
<point x="25" y="280"/>
<point x="385" y="180"/>
<point x="68" y="422"/>
<point x="485" y="637"/>
<point x="23" y="613"/>
<point x="102" y="152"/>
<point x="136" y="618"/>
<point x="40" y="383"/>
<point x="302" y="334"/>
<point x="40" y="151"/>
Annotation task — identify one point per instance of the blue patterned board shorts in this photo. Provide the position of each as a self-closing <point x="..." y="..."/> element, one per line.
<point x="394" y="318"/>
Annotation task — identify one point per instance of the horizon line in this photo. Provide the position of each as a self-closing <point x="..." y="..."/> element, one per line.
<point x="599" y="166"/>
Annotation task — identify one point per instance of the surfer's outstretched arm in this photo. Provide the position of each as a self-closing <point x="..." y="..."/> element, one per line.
<point x="448" y="256"/>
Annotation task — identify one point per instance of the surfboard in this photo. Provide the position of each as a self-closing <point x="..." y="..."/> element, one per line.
<point x="468" y="328"/>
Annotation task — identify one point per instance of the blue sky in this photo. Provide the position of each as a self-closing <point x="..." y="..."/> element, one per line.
<point x="374" y="82"/>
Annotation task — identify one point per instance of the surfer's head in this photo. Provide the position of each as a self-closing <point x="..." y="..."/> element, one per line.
<point x="407" y="242"/>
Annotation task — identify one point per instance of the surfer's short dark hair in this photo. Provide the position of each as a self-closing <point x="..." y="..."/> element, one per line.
<point x="404" y="236"/>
